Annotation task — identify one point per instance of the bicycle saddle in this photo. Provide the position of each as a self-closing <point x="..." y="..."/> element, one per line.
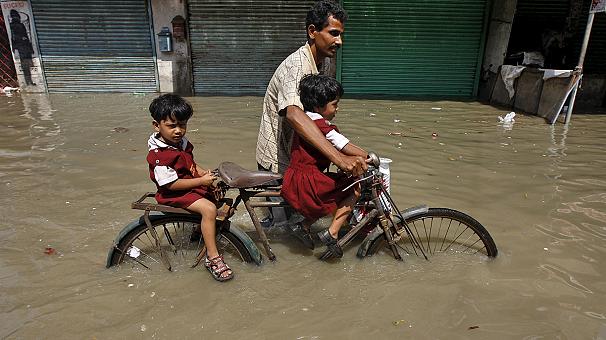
<point x="237" y="177"/>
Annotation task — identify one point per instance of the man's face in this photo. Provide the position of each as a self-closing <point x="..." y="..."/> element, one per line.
<point x="329" y="39"/>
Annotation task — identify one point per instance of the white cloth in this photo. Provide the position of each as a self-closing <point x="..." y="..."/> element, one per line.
<point x="509" y="73"/>
<point x="336" y="139"/>
<point x="163" y="174"/>
<point x="550" y="73"/>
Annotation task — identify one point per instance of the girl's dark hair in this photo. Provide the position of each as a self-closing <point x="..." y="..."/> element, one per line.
<point x="318" y="14"/>
<point x="170" y="105"/>
<point x="318" y="90"/>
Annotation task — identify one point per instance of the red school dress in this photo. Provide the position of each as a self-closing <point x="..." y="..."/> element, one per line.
<point x="167" y="164"/>
<point x="306" y="186"/>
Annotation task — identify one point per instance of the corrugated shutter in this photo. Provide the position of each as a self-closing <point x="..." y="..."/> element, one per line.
<point x="89" y="46"/>
<point x="237" y="45"/>
<point x="412" y="48"/>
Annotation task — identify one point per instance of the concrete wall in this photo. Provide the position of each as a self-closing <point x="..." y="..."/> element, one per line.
<point x="499" y="30"/>
<point x="174" y="68"/>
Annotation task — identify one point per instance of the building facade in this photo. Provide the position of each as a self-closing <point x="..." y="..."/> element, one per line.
<point x="442" y="48"/>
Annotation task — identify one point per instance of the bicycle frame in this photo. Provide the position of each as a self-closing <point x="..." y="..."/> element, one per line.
<point x="373" y="183"/>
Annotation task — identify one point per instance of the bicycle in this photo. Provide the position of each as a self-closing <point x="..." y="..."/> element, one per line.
<point x="167" y="236"/>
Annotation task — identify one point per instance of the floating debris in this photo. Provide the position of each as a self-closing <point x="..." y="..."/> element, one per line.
<point x="398" y="322"/>
<point x="120" y="129"/>
<point x="473" y="327"/>
<point x="395" y="133"/>
<point x="436" y="108"/>
<point x="49" y="251"/>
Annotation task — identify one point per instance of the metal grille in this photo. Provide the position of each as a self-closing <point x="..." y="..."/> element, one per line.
<point x="90" y="46"/>
<point x="8" y="74"/>
<point x="237" y="44"/>
<point x="412" y="48"/>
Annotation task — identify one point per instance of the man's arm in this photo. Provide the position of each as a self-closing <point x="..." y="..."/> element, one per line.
<point x="305" y="127"/>
<point x="354" y="150"/>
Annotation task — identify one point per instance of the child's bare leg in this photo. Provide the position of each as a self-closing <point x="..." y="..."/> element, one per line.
<point x="214" y="263"/>
<point x="344" y="208"/>
<point x="208" y="210"/>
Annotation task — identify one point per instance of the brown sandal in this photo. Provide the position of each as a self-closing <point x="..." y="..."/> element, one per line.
<point x="217" y="266"/>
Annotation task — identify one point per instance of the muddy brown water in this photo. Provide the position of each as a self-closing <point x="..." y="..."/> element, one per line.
<point x="71" y="165"/>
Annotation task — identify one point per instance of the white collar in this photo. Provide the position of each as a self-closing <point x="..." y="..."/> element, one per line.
<point x="316" y="116"/>
<point x="154" y="142"/>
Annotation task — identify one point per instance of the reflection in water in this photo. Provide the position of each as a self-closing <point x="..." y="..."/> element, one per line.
<point x="71" y="165"/>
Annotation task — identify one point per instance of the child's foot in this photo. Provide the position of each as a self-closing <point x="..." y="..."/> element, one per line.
<point x="218" y="268"/>
<point x="302" y="235"/>
<point x="333" y="249"/>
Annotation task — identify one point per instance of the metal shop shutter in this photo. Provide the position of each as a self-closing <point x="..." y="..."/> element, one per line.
<point x="95" y="46"/>
<point x="412" y="48"/>
<point x="237" y="45"/>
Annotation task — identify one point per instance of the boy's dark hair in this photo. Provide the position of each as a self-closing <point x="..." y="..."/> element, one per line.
<point x="170" y="105"/>
<point x="318" y="90"/>
<point x="318" y="14"/>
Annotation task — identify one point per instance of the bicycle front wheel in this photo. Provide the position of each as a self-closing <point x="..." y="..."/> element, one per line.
<point x="180" y="238"/>
<point x="439" y="231"/>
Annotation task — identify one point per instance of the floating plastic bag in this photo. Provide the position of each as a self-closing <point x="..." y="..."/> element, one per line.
<point x="508" y="118"/>
<point x="134" y="252"/>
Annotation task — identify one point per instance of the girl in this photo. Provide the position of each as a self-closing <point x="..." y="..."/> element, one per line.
<point x="307" y="188"/>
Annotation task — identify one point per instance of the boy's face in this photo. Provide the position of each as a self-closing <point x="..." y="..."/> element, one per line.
<point x="329" y="110"/>
<point x="171" y="131"/>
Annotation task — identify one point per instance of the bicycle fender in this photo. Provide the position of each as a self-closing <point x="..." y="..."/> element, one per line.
<point x="378" y="231"/>
<point x="132" y="225"/>
<point x="250" y="245"/>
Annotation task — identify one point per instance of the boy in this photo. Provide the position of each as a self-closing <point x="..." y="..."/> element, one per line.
<point x="180" y="181"/>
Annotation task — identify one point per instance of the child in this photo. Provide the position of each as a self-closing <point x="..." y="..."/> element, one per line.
<point x="180" y="181"/>
<point x="307" y="188"/>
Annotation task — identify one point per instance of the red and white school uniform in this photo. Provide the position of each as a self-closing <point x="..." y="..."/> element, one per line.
<point x="167" y="164"/>
<point x="307" y="188"/>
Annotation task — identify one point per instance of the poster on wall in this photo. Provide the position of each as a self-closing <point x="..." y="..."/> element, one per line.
<point x="17" y="18"/>
<point x="597" y="6"/>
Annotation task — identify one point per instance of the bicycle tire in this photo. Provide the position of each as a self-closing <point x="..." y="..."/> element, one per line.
<point x="180" y="238"/>
<point x="439" y="230"/>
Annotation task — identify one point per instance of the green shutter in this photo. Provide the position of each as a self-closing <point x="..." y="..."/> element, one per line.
<point x="412" y="48"/>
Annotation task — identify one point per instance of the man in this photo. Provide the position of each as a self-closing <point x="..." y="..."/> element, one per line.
<point x="282" y="108"/>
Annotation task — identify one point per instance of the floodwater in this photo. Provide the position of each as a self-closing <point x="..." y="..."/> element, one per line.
<point x="71" y="165"/>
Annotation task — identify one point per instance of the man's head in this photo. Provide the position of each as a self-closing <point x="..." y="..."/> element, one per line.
<point x="170" y="113"/>
<point x="325" y="25"/>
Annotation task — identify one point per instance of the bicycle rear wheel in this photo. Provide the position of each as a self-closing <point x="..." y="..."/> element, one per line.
<point x="439" y="231"/>
<point x="181" y="240"/>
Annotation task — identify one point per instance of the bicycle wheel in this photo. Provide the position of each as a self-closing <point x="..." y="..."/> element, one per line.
<point x="181" y="240"/>
<point x="439" y="231"/>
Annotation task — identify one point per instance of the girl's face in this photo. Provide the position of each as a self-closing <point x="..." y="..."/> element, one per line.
<point x="171" y="131"/>
<point x="329" y="110"/>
